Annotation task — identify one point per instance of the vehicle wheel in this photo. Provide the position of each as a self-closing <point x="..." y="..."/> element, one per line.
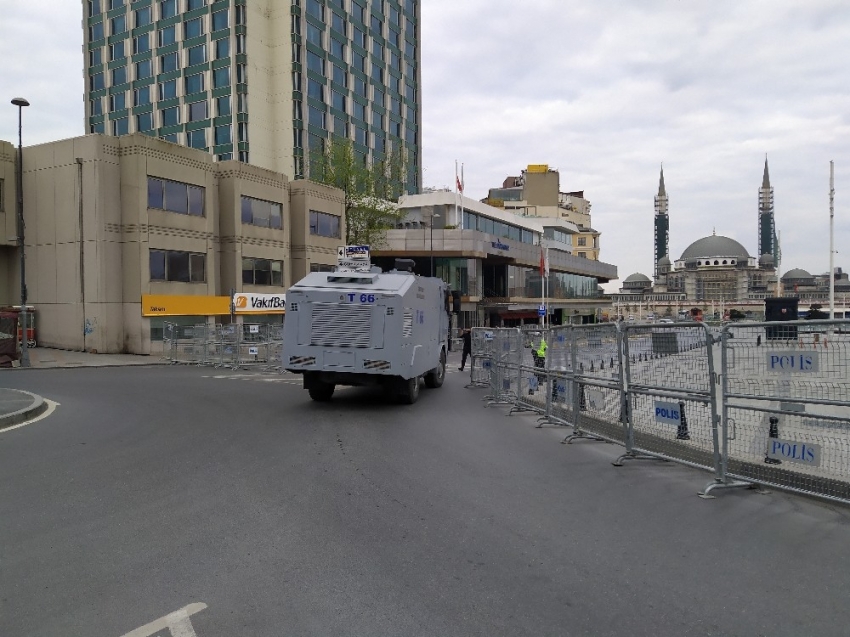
<point x="322" y="392"/>
<point x="409" y="390"/>
<point x="436" y="376"/>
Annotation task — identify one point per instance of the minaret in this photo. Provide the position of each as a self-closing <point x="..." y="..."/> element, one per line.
<point x="767" y="227"/>
<point x="662" y="223"/>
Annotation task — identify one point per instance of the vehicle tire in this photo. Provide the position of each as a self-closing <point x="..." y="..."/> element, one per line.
<point x="409" y="390"/>
<point x="436" y="376"/>
<point x="322" y="392"/>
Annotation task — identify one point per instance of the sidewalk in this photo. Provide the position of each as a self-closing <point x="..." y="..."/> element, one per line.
<point x="46" y="357"/>
<point x="17" y="406"/>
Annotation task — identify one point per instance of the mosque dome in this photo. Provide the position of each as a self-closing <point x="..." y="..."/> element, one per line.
<point x="715" y="246"/>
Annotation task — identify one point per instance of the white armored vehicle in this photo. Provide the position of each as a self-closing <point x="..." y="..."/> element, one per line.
<point x="367" y="328"/>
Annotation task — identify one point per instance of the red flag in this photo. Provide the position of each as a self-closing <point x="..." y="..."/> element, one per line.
<point x="459" y="184"/>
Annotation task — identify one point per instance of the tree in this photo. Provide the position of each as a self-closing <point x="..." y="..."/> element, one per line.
<point x="370" y="191"/>
<point x="736" y="315"/>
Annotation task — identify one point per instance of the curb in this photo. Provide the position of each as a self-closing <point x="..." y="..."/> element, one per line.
<point x="38" y="407"/>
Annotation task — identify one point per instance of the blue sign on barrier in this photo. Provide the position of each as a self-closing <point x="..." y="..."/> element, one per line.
<point x="541" y="311"/>
<point x="486" y="363"/>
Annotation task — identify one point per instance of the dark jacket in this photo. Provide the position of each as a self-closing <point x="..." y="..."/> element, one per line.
<point x="467" y="342"/>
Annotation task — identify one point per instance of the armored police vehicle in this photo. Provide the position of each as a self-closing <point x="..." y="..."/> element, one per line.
<point x="366" y="328"/>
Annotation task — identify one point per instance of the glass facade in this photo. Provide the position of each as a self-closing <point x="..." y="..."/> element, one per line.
<point x="360" y="68"/>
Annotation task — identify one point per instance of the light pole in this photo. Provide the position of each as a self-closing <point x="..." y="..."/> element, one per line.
<point x="436" y="215"/>
<point x="20" y="102"/>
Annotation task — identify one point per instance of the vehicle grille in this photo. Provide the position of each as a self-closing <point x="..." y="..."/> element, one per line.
<point x="341" y="325"/>
<point x="407" y="326"/>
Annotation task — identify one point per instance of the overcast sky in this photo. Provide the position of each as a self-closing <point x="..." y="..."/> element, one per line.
<point x="603" y="90"/>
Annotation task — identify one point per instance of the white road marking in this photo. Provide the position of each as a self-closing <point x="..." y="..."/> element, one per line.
<point x="177" y="623"/>
<point x="51" y="407"/>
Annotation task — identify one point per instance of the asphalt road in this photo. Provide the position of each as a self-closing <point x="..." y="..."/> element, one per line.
<point x="149" y="489"/>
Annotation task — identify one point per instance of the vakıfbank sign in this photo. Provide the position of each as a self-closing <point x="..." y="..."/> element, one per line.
<point x="248" y="303"/>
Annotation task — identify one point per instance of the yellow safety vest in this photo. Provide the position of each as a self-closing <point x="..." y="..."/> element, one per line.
<point x="541" y="350"/>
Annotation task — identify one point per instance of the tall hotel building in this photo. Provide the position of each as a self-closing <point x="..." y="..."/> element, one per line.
<point x="260" y="81"/>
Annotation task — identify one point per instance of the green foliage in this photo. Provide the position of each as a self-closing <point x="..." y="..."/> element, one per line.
<point x="370" y="190"/>
<point x="736" y="315"/>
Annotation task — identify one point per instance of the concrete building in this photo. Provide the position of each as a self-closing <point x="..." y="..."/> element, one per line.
<point x="261" y="81"/>
<point x="536" y="193"/>
<point x="492" y="256"/>
<point x="123" y="233"/>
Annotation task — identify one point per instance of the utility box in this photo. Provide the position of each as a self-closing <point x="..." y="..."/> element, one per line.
<point x="367" y="328"/>
<point x="781" y="309"/>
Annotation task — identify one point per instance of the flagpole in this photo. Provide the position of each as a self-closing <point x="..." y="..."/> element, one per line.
<point x="460" y="221"/>
<point x="831" y="244"/>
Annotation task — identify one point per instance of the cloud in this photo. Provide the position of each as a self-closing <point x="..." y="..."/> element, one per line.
<point x="604" y="90"/>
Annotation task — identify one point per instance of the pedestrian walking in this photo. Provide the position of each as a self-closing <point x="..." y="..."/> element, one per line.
<point x="467" y="347"/>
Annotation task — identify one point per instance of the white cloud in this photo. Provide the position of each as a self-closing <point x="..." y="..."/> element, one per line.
<point x="604" y="90"/>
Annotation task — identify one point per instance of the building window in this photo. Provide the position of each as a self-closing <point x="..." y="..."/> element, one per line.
<point x="193" y="28"/>
<point x="338" y="23"/>
<point x="315" y="89"/>
<point x="243" y="132"/>
<point x="242" y="103"/>
<point x="118" y="25"/>
<point x="175" y="196"/>
<point x="121" y="126"/>
<point x="314" y="8"/>
<point x="144" y="122"/>
<point x="241" y="73"/>
<point x="340" y="76"/>
<point x="167" y="35"/>
<point x="96" y="32"/>
<point x="359" y="111"/>
<point x="114" y="4"/>
<point x="262" y="272"/>
<point x="358" y="61"/>
<point x="258" y="212"/>
<point x="220" y="20"/>
<point x="117" y="102"/>
<point x="582" y="241"/>
<point x="142" y="96"/>
<point x="315" y="63"/>
<point x="337" y="49"/>
<point x="119" y="75"/>
<point x="323" y="224"/>
<point x="167" y="9"/>
<point x="198" y="54"/>
<point x="223" y="135"/>
<point x="322" y="267"/>
<point x="194" y="83"/>
<point x="142" y="43"/>
<point x="96" y="57"/>
<point x="316" y="117"/>
<point x="222" y="48"/>
<point x="171" y="116"/>
<point x="94" y="7"/>
<point x="314" y="34"/>
<point x="169" y="62"/>
<point x="100" y="127"/>
<point x="174" y="138"/>
<point x="177" y="266"/>
<point x="582" y="255"/>
<point x="221" y="77"/>
<point x="143" y="17"/>
<point x="195" y="4"/>
<point x="116" y="51"/>
<point x="144" y="69"/>
<point x="197" y="138"/>
<point x="198" y="111"/>
<point x="168" y="89"/>
<point x="338" y="101"/>
<point x="96" y="107"/>
<point x="222" y="106"/>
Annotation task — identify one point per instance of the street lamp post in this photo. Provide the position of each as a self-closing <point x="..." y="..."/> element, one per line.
<point x="436" y="215"/>
<point x="20" y="102"/>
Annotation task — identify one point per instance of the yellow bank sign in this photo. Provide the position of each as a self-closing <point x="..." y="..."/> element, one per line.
<point x="176" y="305"/>
<point x="537" y="168"/>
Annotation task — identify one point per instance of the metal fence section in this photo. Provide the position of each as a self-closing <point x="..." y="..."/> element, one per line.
<point x="505" y="350"/>
<point x="670" y="386"/>
<point x="529" y="369"/>
<point x="596" y="377"/>
<point x="786" y="407"/>
<point x="481" y="357"/>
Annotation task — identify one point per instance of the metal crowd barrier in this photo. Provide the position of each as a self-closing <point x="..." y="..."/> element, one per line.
<point x="671" y="399"/>
<point x="777" y="414"/>
<point x="786" y="407"/>
<point x="231" y="346"/>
